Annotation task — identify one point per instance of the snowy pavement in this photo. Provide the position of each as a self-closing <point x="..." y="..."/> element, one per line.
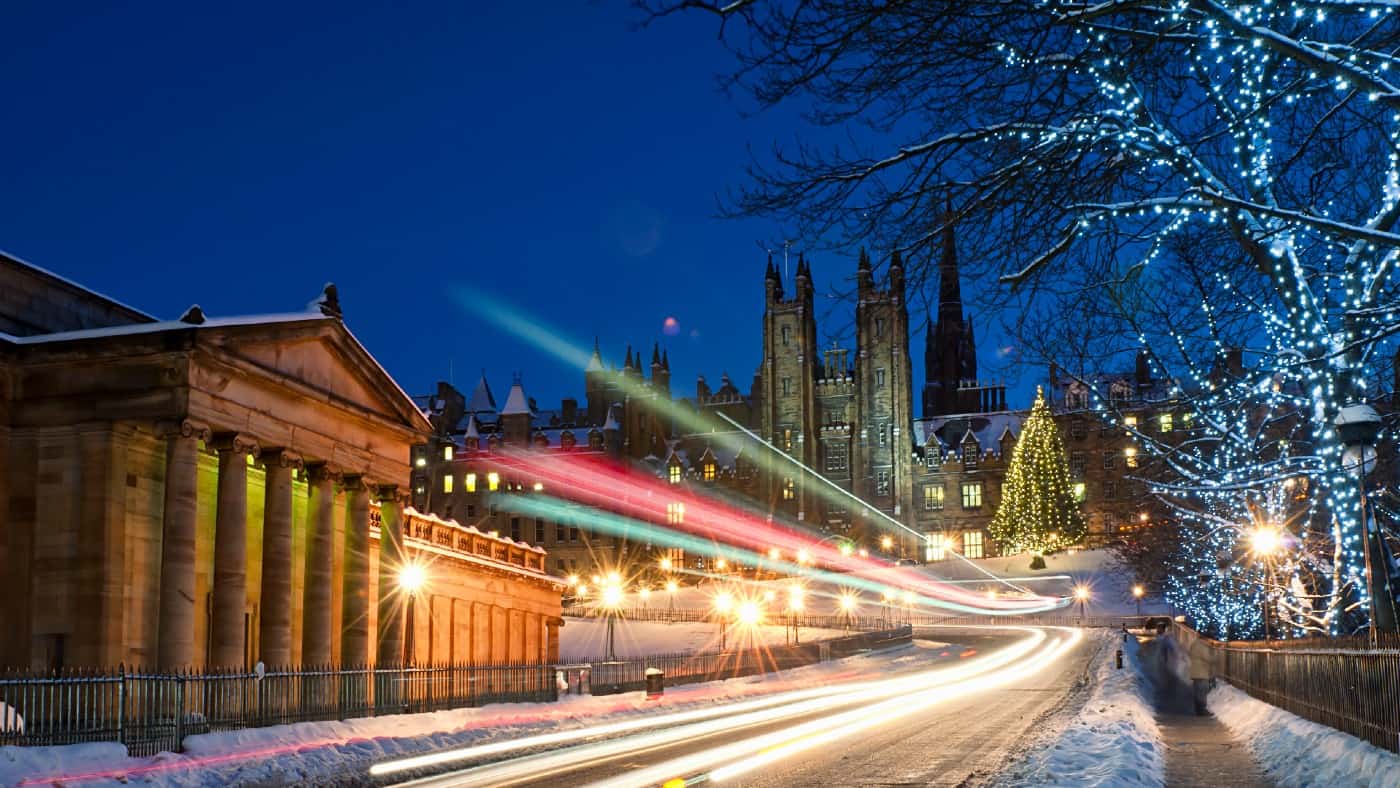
<point x="1112" y="741"/>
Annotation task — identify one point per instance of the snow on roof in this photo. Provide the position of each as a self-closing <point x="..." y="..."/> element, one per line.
<point x="157" y="327"/>
<point x="65" y="280"/>
<point x="516" y="402"/>
<point x="481" y="400"/>
<point x="472" y="433"/>
<point x="611" y="423"/>
<point x="987" y="429"/>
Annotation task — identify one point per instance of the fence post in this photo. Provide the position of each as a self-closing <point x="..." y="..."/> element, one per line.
<point x="121" y="704"/>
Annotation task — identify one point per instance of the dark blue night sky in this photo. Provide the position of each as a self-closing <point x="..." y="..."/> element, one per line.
<point x="549" y="155"/>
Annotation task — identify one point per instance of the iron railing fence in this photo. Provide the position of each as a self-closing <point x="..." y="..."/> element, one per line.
<point x="1344" y="683"/>
<point x="838" y="621"/>
<point x="1113" y="622"/>
<point x="151" y="712"/>
<point x="609" y="677"/>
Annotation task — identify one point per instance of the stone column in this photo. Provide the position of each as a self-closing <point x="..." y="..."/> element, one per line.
<point x="101" y="552"/>
<point x="551" y="649"/>
<point x="354" y="611"/>
<point x="317" y="630"/>
<point x="275" y="607"/>
<point x="230" y="591"/>
<point x="175" y="647"/>
<point x="391" y="560"/>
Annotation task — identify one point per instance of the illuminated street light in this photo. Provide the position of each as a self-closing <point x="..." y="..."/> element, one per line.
<point x="720" y="564"/>
<point x="724" y="603"/>
<point x="803" y="557"/>
<point x="1138" y="591"/>
<point x="671" y="588"/>
<point x="863" y="553"/>
<point x="886" y="543"/>
<point x="573" y="581"/>
<point x="1265" y="541"/>
<point x="412" y="578"/>
<point x="750" y="613"/>
<point x="1081" y="594"/>
<point x="774" y="554"/>
<point x="666" y="564"/>
<point x="846" y="549"/>
<point x="847" y="603"/>
<point x="611" y="601"/>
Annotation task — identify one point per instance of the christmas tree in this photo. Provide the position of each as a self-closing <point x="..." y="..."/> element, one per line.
<point x="1039" y="511"/>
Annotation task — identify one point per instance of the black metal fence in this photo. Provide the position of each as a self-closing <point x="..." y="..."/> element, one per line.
<point x="609" y="677"/>
<point x="836" y="621"/>
<point x="153" y="712"/>
<point x="1344" y="683"/>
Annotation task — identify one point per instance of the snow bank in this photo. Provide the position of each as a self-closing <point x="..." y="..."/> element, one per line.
<point x="1113" y="741"/>
<point x="1296" y="752"/>
<point x="328" y="751"/>
<point x="582" y="639"/>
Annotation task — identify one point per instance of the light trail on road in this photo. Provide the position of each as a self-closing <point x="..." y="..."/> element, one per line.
<point x="820" y="716"/>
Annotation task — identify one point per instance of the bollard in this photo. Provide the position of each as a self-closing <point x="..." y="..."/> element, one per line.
<point x="1119" y="660"/>
<point x="655" y="683"/>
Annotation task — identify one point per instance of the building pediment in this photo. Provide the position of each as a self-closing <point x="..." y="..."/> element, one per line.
<point x="319" y="355"/>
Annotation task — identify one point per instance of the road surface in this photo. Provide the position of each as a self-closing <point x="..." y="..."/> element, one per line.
<point x="948" y="722"/>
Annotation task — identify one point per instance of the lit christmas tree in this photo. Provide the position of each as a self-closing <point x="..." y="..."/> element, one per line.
<point x="1039" y="510"/>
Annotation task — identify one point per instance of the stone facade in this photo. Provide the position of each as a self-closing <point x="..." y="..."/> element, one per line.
<point x="201" y="492"/>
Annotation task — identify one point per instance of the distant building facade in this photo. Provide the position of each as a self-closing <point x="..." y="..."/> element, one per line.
<point x="846" y="413"/>
<point x="206" y="492"/>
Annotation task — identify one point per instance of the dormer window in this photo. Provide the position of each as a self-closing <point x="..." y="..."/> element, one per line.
<point x="673" y="474"/>
<point x="708" y="471"/>
<point x="970" y="452"/>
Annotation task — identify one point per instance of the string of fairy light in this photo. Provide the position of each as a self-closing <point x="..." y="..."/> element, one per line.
<point x="1317" y="322"/>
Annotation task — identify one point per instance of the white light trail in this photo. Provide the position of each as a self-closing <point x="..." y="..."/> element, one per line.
<point x="643" y="733"/>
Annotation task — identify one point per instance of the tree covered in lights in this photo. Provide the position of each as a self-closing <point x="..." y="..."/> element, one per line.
<point x="1039" y="511"/>
<point x="1184" y="176"/>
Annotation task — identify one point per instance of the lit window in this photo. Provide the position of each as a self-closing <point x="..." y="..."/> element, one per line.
<point x="972" y="544"/>
<point x="420" y="461"/>
<point x="471" y="482"/>
<point x="789" y="489"/>
<point x="447" y="452"/>
<point x="1130" y="422"/>
<point x="675" y="513"/>
<point x="447" y="483"/>
<point x="1164" y="422"/>
<point x="493" y="481"/>
<point x="708" y="471"/>
<point x="1079" y="492"/>
<point x="937" y="549"/>
<point x="1130" y="457"/>
<point x="933" y="497"/>
<point x="673" y="474"/>
<point x="972" y="495"/>
<point x="787" y="439"/>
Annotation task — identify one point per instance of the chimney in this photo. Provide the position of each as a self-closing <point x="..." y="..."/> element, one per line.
<point x="569" y="410"/>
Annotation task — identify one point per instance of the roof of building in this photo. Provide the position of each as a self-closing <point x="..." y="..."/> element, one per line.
<point x="949" y="432"/>
<point x="481" y="400"/>
<point x="516" y="401"/>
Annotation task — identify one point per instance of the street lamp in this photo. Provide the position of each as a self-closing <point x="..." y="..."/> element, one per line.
<point x="412" y="578"/>
<point x="795" y="593"/>
<point x="1265" y="542"/>
<point x="1358" y="426"/>
<point x="886" y="543"/>
<point x="1081" y="594"/>
<point x="666" y="564"/>
<point x="611" y="601"/>
<point x="848" y="602"/>
<point x="724" y="603"/>
<point x="671" y="588"/>
<point x="1138" y="591"/>
<point x="644" y="594"/>
<point x="909" y="607"/>
<point x="846" y="549"/>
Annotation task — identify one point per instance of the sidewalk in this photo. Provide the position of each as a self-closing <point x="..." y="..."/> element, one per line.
<point x="1200" y="751"/>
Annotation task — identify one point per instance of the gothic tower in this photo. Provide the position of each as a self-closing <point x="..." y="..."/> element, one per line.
<point x="950" y="355"/>
<point x="884" y="450"/>
<point x="788" y="377"/>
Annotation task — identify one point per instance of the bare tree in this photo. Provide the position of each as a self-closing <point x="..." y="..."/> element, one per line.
<point x="1210" y="173"/>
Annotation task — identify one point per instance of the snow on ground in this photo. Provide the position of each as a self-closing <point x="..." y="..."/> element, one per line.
<point x="1113" y="741"/>
<point x="583" y="639"/>
<point x="1110" y="584"/>
<point x="319" y="751"/>
<point x="1296" y="752"/>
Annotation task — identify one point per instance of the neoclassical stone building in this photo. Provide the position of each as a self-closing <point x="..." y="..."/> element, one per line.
<point x="215" y="492"/>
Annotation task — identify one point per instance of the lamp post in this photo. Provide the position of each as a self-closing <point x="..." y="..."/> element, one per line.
<point x="795" y="593"/>
<point x="1264" y="542"/>
<point x="724" y="603"/>
<point x="848" y="607"/>
<point x="412" y="577"/>
<point x="1137" y="597"/>
<point x="909" y="607"/>
<point x="887" y="543"/>
<point x="1081" y="595"/>
<point x="611" y="600"/>
<point x="1358" y="426"/>
<point x="671" y="587"/>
